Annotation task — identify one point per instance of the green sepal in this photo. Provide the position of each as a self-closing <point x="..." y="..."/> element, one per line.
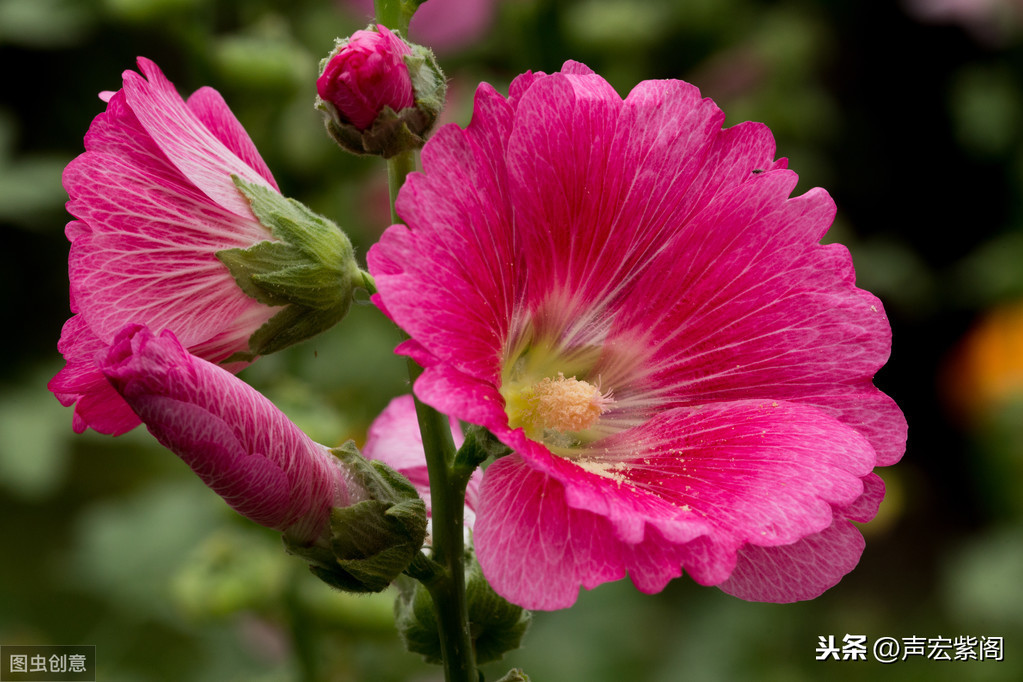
<point x="496" y="625"/>
<point x="372" y="541"/>
<point x="382" y="482"/>
<point x="479" y="446"/>
<point x="416" y="619"/>
<point x="310" y="271"/>
<point x="291" y="325"/>
<point x="429" y="86"/>
<point x="515" y="675"/>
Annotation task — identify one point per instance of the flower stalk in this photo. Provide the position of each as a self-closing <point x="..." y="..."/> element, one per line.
<point x="396" y="14"/>
<point x="447" y="490"/>
<point x="447" y="484"/>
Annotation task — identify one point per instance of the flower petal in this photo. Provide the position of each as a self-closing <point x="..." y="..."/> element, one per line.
<point x="209" y="107"/>
<point x="754" y="307"/>
<point x="144" y="247"/>
<point x="696" y="486"/>
<point x="80" y="382"/>
<point x="802" y="570"/>
<point x="535" y="550"/>
<point x="459" y="280"/>
<point x="189" y="145"/>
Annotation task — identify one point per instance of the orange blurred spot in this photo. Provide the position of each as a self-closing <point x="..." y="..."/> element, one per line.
<point x="986" y="371"/>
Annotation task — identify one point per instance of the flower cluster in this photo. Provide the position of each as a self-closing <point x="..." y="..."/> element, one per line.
<point x="620" y="294"/>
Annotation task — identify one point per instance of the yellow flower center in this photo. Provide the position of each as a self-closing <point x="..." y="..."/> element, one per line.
<point x="559" y="404"/>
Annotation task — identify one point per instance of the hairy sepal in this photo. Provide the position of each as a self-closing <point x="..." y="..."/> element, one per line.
<point x="310" y="271"/>
<point x="374" y="540"/>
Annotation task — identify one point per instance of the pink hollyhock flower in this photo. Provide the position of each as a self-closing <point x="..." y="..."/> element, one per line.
<point x="625" y="294"/>
<point x="365" y="74"/>
<point x="236" y="440"/>
<point x="154" y="202"/>
<point x="394" y="439"/>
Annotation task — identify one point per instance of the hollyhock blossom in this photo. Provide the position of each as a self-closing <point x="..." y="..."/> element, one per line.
<point x="394" y="439"/>
<point x="628" y="297"/>
<point x="366" y="73"/>
<point x="236" y="440"/>
<point x="156" y="201"/>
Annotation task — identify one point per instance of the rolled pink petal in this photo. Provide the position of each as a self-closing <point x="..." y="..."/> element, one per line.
<point x="394" y="439"/>
<point x="627" y="295"/>
<point x="236" y="440"/>
<point x="365" y="74"/>
<point x="154" y="202"/>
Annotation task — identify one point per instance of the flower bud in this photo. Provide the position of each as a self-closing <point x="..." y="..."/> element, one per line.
<point x="366" y="73"/>
<point x="358" y="523"/>
<point x="496" y="625"/>
<point x="380" y="94"/>
<point x="236" y="440"/>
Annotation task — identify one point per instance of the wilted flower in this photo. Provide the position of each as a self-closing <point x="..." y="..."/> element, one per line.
<point x="171" y="199"/>
<point x="236" y="440"/>
<point x="627" y="296"/>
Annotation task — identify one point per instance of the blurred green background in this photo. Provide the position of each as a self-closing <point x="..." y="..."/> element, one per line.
<point x="907" y="112"/>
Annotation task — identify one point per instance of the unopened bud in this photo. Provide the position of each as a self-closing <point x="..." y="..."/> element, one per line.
<point x="380" y="94"/>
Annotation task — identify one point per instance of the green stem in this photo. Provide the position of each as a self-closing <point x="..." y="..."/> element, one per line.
<point x="395" y="14"/>
<point x="447" y="497"/>
<point x="398" y="168"/>
<point x="447" y="500"/>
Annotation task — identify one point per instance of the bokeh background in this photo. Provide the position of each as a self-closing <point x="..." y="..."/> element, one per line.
<point x="907" y="112"/>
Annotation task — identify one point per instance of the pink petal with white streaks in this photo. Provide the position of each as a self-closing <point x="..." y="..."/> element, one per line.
<point x="189" y="145"/>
